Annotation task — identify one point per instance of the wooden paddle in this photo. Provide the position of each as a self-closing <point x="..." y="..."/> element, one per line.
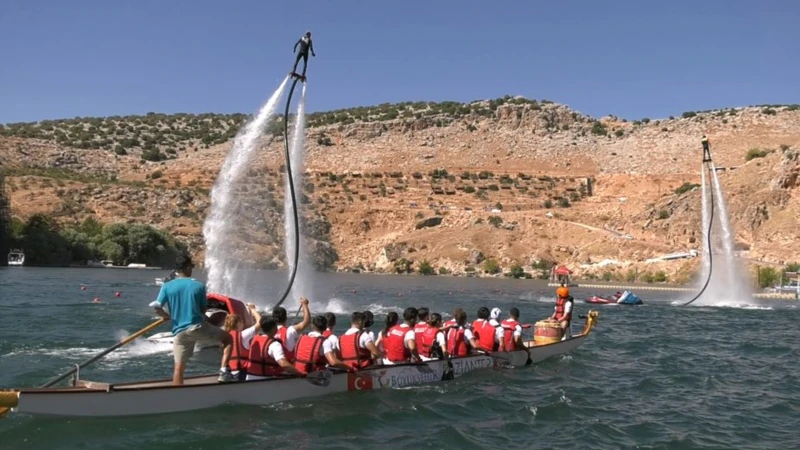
<point x="321" y="378"/>
<point x="127" y="340"/>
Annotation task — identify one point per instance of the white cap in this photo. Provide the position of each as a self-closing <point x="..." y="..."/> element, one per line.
<point x="495" y="314"/>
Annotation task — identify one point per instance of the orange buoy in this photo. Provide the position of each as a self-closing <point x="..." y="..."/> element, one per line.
<point x="547" y="332"/>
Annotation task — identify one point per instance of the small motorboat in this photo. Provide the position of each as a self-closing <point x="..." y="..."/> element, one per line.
<point x="619" y="298"/>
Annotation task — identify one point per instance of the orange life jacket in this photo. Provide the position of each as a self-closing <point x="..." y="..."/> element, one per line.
<point x="455" y="342"/>
<point x="308" y="355"/>
<point x="560" y="306"/>
<point x="425" y="341"/>
<point x="260" y="362"/>
<point x="486" y="337"/>
<point x="239" y="355"/>
<point x="352" y="354"/>
<point x="281" y="335"/>
<point x="509" y="325"/>
<point x="394" y="344"/>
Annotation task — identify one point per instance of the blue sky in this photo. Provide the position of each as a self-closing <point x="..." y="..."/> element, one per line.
<point x="635" y="59"/>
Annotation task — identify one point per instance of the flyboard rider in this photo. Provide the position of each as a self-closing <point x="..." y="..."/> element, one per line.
<point x="305" y="46"/>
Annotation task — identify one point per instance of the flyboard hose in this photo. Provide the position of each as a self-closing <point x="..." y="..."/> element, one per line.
<point x="708" y="237"/>
<point x="291" y="192"/>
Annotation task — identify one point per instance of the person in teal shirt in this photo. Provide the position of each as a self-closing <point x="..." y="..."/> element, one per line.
<point x="185" y="299"/>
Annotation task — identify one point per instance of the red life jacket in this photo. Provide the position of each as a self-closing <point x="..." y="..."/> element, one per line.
<point x="420" y="327"/>
<point x="281" y="335"/>
<point x="449" y="323"/>
<point x="327" y="333"/>
<point x="239" y="354"/>
<point x="352" y="354"/>
<point x="455" y="342"/>
<point x="509" y="325"/>
<point x="477" y="324"/>
<point x="486" y="337"/>
<point x="394" y="344"/>
<point x="260" y="362"/>
<point x="560" y="303"/>
<point x="425" y="341"/>
<point x="308" y="354"/>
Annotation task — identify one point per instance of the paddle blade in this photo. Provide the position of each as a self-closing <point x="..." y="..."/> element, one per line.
<point x="424" y="368"/>
<point x="321" y="378"/>
<point x="4" y="411"/>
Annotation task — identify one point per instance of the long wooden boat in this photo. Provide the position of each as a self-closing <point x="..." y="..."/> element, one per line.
<point x="95" y="399"/>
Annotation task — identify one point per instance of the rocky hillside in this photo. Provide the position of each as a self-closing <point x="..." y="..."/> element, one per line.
<point x="457" y="188"/>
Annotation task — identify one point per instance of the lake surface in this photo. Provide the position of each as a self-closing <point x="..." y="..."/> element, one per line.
<point x="657" y="376"/>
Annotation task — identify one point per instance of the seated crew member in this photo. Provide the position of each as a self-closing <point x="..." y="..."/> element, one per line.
<point x="431" y="343"/>
<point x="330" y="318"/>
<point x="422" y="321"/>
<point x="494" y="321"/>
<point x="460" y="339"/>
<point x="267" y="354"/>
<point x="399" y="341"/>
<point x="391" y="320"/>
<point x="313" y="350"/>
<point x="512" y="331"/>
<point x="477" y="324"/>
<point x="288" y="334"/>
<point x="356" y="344"/>
<point x="563" y="311"/>
<point x="369" y="321"/>
<point x="241" y="340"/>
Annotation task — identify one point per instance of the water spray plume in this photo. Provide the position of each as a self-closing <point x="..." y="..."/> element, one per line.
<point x="221" y="261"/>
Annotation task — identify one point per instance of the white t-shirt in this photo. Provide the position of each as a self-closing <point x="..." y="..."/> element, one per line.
<point x="291" y="337"/>
<point x="442" y="344"/>
<point x="334" y="340"/>
<point x="275" y="350"/>
<point x="365" y="338"/>
<point x="247" y="336"/>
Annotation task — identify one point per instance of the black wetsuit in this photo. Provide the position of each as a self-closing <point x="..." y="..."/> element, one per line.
<point x="305" y="46"/>
<point x="706" y="151"/>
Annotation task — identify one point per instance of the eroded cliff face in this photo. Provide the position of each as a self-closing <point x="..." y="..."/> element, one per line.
<point x="510" y="184"/>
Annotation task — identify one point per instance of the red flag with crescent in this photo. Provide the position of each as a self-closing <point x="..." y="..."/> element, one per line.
<point x="359" y="382"/>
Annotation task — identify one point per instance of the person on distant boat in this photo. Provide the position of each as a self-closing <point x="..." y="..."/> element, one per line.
<point x="706" y="149"/>
<point x="357" y="346"/>
<point x="431" y="343"/>
<point x="391" y="320"/>
<point x="512" y="331"/>
<point x="268" y="354"/>
<point x="289" y="334"/>
<point x="305" y="46"/>
<point x="460" y="339"/>
<point x="563" y="311"/>
<point x="422" y="321"/>
<point x="314" y="350"/>
<point x="186" y="300"/>
<point x="241" y="340"/>
<point x="400" y="345"/>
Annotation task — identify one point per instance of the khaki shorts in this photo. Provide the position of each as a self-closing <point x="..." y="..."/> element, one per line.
<point x="184" y="342"/>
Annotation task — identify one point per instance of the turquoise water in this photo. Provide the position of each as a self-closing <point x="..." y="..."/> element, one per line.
<point x="656" y="376"/>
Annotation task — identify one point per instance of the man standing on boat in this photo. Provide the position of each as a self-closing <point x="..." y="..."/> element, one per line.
<point x="563" y="311"/>
<point x="289" y="334"/>
<point x="186" y="300"/>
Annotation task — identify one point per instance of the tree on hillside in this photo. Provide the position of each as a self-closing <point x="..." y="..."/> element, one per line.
<point x="43" y="244"/>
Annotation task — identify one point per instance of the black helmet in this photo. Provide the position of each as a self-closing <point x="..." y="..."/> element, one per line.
<point x="308" y="33"/>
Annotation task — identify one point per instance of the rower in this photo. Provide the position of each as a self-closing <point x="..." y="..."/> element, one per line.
<point x="330" y="319"/>
<point x="422" y="321"/>
<point x="268" y="354"/>
<point x="357" y="345"/>
<point x="391" y="320"/>
<point x="563" y="311"/>
<point x="431" y="343"/>
<point x="460" y="339"/>
<point x="314" y="350"/>
<point x="494" y="321"/>
<point x="487" y="330"/>
<point x="369" y="321"/>
<point x="241" y="340"/>
<point x="512" y="331"/>
<point x="288" y="335"/>
<point x="399" y="341"/>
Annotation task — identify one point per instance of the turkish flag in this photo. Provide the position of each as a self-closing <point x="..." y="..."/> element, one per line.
<point x="359" y="382"/>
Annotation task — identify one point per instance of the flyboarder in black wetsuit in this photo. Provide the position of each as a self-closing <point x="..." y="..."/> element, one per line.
<point x="305" y="45"/>
<point x="706" y="149"/>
